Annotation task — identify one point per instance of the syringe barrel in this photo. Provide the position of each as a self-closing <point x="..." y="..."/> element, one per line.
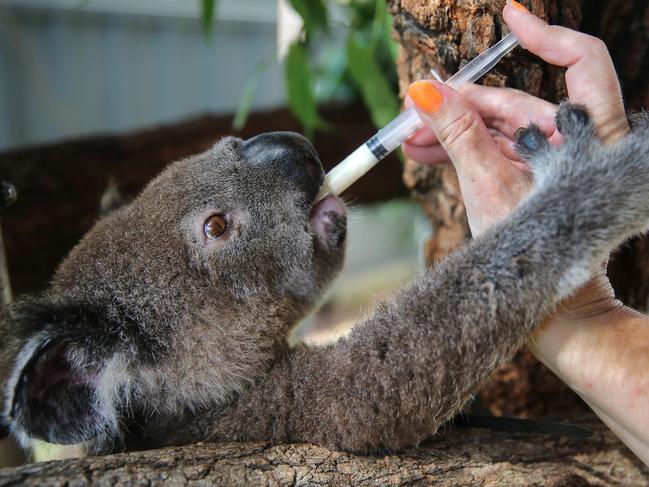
<point x="481" y="65"/>
<point x="395" y="133"/>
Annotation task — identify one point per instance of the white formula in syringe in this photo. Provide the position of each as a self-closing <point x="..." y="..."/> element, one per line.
<point x="408" y="122"/>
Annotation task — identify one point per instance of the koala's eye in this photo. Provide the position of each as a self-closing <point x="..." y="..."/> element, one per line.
<point x="215" y="226"/>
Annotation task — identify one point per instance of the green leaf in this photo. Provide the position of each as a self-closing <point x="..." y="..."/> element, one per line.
<point x="330" y="72"/>
<point x="378" y="23"/>
<point x="314" y="13"/>
<point x="248" y="93"/>
<point x="208" y="7"/>
<point x="391" y="44"/>
<point x="379" y="97"/>
<point x="299" y="86"/>
<point x="245" y="102"/>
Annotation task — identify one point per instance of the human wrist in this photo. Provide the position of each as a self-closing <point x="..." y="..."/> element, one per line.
<point x="604" y="360"/>
<point x="577" y="343"/>
<point x="563" y="340"/>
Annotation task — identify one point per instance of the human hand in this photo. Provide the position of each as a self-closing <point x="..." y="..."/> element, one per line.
<point x="476" y="129"/>
<point x="596" y="345"/>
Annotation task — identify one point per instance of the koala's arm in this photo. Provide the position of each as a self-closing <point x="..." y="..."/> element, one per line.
<point x="417" y="359"/>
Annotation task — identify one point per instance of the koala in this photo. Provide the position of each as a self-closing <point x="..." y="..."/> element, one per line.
<point x="167" y="323"/>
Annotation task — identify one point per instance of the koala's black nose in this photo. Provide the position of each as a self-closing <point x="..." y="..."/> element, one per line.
<point x="291" y="155"/>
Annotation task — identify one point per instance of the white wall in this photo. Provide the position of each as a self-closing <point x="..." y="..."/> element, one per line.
<point x="116" y="65"/>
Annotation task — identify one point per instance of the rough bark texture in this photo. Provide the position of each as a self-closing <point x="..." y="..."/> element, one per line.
<point x="466" y="457"/>
<point x="441" y="34"/>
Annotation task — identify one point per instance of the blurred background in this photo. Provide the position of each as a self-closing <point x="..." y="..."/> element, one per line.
<point x="70" y="68"/>
<point x="93" y="91"/>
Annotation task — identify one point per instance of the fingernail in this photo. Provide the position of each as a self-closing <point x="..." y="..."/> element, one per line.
<point x="426" y="96"/>
<point x="518" y="6"/>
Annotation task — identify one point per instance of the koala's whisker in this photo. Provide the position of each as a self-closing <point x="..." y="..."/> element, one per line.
<point x="350" y="201"/>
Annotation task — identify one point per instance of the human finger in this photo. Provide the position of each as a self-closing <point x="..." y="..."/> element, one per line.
<point x="458" y="127"/>
<point x="590" y="77"/>
<point x="507" y="109"/>
<point x="431" y="154"/>
<point x="503" y="109"/>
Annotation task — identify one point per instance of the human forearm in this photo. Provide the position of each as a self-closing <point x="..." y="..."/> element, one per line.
<point x="604" y="359"/>
<point x="637" y="445"/>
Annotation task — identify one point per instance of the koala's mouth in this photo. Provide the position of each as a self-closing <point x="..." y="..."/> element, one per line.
<point x="329" y="221"/>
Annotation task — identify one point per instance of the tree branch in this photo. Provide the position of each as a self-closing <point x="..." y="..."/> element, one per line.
<point x="465" y="457"/>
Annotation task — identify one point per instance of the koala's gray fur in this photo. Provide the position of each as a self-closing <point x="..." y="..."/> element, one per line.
<point x="157" y="337"/>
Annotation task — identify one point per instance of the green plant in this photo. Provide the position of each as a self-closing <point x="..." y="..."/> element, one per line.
<point x="319" y="68"/>
<point x="208" y="7"/>
<point x="328" y="63"/>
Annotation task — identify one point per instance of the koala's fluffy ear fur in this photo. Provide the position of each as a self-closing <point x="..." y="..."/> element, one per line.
<point x="56" y="390"/>
<point x="52" y="399"/>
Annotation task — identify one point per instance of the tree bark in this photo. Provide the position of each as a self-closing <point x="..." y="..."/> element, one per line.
<point x="440" y="35"/>
<point x="466" y="457"/>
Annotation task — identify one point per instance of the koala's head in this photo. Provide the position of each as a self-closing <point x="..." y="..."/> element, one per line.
<point x="182" y="296"/>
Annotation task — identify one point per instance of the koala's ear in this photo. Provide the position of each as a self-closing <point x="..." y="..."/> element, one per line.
<point x="112" y="199"/>
<point x="52" y="399"/>
<point x="53" y="392"/>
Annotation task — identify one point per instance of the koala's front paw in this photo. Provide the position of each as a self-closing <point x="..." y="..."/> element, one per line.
<point x="581" y="140"/>
<point x="603" y="187"/>
<point x="531" y="144"/>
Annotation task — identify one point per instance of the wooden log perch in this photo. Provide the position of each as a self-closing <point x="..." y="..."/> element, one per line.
<point x="465" y="457"/>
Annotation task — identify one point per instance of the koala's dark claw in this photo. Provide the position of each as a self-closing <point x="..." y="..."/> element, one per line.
<point x="572" y="120"/>
<point x="530" y="140"/>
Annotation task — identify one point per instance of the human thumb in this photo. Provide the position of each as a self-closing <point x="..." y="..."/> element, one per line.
<point x="457" y="125"/>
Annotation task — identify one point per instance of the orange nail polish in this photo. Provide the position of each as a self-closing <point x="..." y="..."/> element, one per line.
<point x="426" y="96"/>
<point x="519" y="6"/>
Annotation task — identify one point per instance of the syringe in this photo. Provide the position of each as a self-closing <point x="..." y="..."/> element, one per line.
<point x="398" y="130"/>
